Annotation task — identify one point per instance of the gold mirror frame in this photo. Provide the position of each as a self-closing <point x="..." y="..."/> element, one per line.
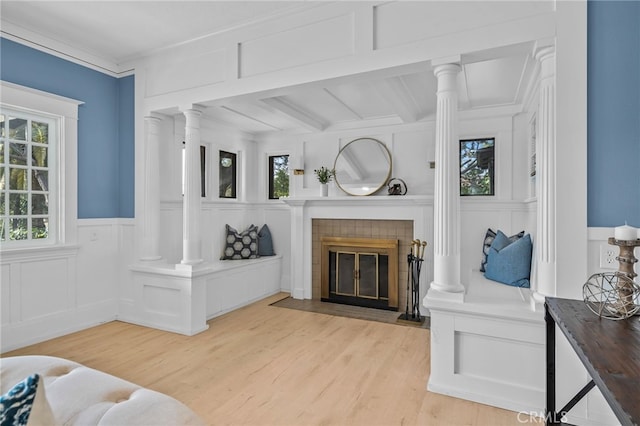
<point x="349" y="155"/>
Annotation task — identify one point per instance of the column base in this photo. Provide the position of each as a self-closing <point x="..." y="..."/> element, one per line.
<point x="537" y="301"/>
<point x="437" y="292"/>
<point x="189" y="265"/>
<point x="150" y="258"/>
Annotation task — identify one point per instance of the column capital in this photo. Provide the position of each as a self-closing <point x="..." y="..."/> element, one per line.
<point x="152" y="119"/>
<point x="192" y="109"/>
<point x="544" y="47"/>
<point x="448" y="68"/>
<point x="445" y="60"/>
<point x="191" y="113"/>
<point x="544" y="53"/>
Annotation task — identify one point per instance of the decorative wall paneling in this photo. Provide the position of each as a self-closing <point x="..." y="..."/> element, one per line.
<point x="54" y="291"/>
<point x="325" y="39"/>
<point x="333" y="41"/>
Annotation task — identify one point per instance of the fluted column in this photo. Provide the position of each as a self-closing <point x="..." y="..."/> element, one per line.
<point x="446" y="242"/>
<point x="151" y="222"/>
<point x="191" y="203"/>
<point x="546" y="176"/>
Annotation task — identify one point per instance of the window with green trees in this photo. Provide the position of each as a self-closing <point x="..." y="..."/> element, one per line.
<point x="278" y="176"/>
<point x="27" y="142"/>
<point x="477" y="159"/>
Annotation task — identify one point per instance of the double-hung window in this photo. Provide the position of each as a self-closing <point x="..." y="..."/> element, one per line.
<point x="28" y="170"/>
<point x="38" y="168"/>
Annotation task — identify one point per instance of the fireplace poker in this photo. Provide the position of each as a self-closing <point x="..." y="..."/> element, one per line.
<point x="414" y="265"/>
<point x="409" y="262"/>
<point x="416" y="287"/>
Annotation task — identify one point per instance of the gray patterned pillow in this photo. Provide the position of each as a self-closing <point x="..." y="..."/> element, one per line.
<point x="243" y="245"/>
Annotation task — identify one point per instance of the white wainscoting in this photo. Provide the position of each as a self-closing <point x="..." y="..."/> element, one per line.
<point x="61" y="289"/>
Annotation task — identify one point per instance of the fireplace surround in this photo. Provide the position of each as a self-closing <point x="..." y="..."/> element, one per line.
<point x="403" y="218"/>
<point x="365" y="236"/>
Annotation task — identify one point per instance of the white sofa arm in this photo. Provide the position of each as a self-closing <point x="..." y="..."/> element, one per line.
<point x="79" y="395"/>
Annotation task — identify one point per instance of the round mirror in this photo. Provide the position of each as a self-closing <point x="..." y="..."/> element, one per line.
<point x="362" y="166"/>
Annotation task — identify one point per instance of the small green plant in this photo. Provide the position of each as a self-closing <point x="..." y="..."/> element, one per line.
<point x="324" y="175"/>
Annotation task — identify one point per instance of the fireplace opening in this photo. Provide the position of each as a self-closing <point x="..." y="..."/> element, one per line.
<point x="360" y="271"/>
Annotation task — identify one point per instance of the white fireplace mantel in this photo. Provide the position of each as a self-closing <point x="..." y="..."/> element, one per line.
<point x="417" y="208"/>
<point x="371" y="200"/>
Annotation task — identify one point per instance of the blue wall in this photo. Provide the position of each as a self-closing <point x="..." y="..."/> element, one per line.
<point x="126" y="151"/>
<point x="613" y="94"/>
<point x="105" y="125"/>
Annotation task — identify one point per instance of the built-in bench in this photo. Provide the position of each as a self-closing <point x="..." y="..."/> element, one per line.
<point x="232" y="284"/>
<point x="181" y="299"/>
<point x="489" y="348"/>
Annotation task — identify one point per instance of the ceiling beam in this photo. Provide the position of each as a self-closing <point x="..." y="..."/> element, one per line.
<point x="297" y="113"/>
<point x="395" y="91"/>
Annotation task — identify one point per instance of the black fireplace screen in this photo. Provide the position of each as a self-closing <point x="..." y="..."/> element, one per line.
<point x="359" y="278"/>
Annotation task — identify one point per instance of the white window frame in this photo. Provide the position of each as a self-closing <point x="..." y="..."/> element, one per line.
<point x="63" y="176"/>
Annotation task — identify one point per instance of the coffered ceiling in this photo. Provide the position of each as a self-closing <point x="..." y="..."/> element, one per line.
<point x="112" y="33"/>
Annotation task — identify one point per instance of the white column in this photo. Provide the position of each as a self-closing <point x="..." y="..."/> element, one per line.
<point x="446" y="241"/>
<point x="151" y="221"/>
<point x="192" y="203"/>
<point x="300" y="251"/>
<point x="546" y="176"/>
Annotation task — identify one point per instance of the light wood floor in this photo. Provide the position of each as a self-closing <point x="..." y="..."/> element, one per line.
<point x="265" y="365"/>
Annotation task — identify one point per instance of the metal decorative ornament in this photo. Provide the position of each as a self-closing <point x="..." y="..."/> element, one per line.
<point x="396" y="186"/>
<point x="611" y="295"/>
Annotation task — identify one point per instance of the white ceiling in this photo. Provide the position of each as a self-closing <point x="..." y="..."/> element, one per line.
<point x="121" y="31"/>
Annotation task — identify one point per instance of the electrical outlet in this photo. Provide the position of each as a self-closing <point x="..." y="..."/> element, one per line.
<point x="608" y="255"/>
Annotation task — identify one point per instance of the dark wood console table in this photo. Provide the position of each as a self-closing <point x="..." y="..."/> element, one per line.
<point x="610" y="351"/>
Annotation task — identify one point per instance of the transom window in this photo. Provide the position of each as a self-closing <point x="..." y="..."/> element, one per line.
<point x="27" y="176"/>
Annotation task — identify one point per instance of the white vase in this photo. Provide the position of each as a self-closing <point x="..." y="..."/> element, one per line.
<point x="324" y="189"/>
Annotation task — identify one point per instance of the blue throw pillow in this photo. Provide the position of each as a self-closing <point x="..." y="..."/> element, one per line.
<point x="16" y="404"/>
<point x="509" y="262"/>
<point x="265" y="242"/>
<point x="488" y="240"/>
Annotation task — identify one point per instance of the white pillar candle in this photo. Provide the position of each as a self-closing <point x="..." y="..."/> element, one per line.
<point x="625" y="233"/>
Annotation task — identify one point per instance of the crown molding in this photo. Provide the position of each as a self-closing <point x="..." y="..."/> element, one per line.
<point x="61" y="50"/>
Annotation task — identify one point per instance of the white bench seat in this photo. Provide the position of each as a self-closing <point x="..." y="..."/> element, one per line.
<point x="232" y="284"/>
<point x="488" y="348"/>
<point x="181" y="299"/>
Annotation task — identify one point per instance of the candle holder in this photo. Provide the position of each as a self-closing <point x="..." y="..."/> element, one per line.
<point x="626" y="259"/>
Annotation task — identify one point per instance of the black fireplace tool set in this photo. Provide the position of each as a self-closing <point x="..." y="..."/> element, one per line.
<point x="414" y="265"/>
